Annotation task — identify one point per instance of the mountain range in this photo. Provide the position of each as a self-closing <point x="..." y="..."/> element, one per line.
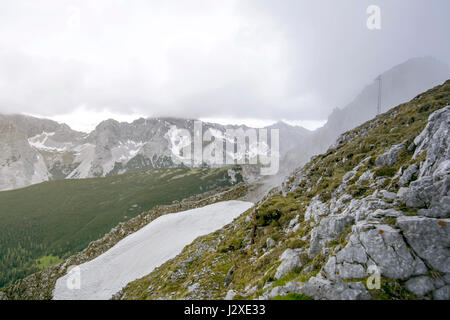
<point x="367" y="219"/>
<point x="33" y="150"/>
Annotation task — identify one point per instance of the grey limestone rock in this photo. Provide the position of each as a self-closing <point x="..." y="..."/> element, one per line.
<point x="430" y="239"/>
<point x="420" y="285"/>
<point x="290" y="260"/>
<point x="316" y="209"/>
<point x="386" y="247"/>
<point x="442" y="293"/>
<point x="390" y="157"/>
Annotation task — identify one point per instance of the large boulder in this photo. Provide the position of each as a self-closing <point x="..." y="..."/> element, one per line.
<point x="353" y="252"/>
<point x="430" y="239"/>
<point x="328" y="230"/>
<point x="344" y="270"/>
<point x="386" y="247"/>
<point x="420" y="286"/>
<point x="408" y="175"/>
<point x="420" y="193"/>
<point x="442" y="293"/>
<point x="390" y="157"/>
<point x="290" y="260"/>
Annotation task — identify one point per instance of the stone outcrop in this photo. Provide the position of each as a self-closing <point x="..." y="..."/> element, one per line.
<point x="431" y="190"/>
<point x="408" y="248"/>
<point x="390" y="157"/>
<point x="430" y="239"/>
<point x="290" y="260"/>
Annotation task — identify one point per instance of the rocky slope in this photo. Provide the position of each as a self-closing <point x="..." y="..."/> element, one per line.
<point x="374" y="206"/>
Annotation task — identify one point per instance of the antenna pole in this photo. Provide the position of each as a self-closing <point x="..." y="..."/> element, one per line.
<point x="379" y="95"/>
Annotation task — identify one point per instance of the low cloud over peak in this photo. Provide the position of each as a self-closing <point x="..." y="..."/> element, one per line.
<point x="264" y="60"/>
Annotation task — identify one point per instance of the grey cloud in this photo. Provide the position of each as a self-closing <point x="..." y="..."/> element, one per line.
<point x="261" y="59"/>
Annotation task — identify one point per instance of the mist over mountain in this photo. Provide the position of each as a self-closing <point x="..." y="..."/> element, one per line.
<point x="399" y="84"/>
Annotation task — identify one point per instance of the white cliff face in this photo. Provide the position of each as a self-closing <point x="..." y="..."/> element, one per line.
<point x="141" y="252"/>
<point x="34" y="150"/>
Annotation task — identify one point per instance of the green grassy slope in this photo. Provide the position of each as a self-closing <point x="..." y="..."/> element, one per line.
<point x="59" y="218"/>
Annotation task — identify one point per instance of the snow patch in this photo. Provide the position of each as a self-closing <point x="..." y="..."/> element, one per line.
<point x="42" y="142"/>
<point x="138" y="254"/>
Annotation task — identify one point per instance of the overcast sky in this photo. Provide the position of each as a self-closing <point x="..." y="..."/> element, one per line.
<point x="232" y="61"/>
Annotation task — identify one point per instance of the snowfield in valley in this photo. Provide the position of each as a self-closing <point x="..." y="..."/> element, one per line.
<point x="138" y="254"/>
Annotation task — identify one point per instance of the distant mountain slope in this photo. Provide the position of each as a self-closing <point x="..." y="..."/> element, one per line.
<point x="34" y="150"/>
<point x="399" y="84"/>
<point x="59" y="218"/>
<point x="376" y="203"/>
